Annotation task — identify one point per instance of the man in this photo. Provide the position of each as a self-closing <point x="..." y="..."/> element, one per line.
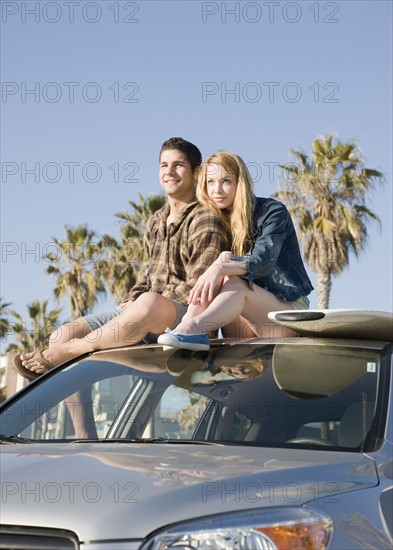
<point x="182" y="239"/>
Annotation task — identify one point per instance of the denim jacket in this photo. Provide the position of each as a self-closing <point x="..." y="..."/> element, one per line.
<point x="275" y="263"/>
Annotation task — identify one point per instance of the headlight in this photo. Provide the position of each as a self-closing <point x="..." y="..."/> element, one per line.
<point x="266" y="529"/>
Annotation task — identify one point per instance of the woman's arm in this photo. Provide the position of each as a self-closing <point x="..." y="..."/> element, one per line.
<point x="209" y="284"/>
<point x="272" y="230"/>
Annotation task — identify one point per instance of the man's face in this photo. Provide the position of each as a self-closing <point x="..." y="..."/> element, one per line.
<point x="176" y="176"/>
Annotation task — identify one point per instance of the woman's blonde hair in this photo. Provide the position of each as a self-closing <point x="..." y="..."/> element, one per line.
<point x="240" y="214"/>
<point x="257" y="365"/>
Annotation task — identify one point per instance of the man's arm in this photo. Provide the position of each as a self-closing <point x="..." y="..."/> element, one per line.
<point x="208" y="236"/>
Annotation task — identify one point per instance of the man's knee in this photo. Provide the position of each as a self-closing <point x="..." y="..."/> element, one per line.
<point x="69" y="331"/>
<point x="157" y="311"/>
<point x="149" y="302"/>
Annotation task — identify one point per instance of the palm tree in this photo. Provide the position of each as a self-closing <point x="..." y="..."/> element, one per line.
<point x="4" y="321"/>
<point x="120" y="262"/>
<point x="134" y="225"/>
<point x="116" y="267"/>
<point x="327" y="198"/>
<point x="42" y="322"/>
<point x="75" y="270"/>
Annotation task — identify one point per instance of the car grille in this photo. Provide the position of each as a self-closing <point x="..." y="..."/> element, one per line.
<point x="36" y="538"/>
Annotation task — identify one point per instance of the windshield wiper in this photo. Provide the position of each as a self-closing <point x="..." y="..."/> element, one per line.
<point x="177" y="441"/>
<point x="147" y="440"/>
<point x="14" y="439"/>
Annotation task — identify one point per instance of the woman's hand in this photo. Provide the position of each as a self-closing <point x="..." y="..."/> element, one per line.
<point x="207" y="286"/>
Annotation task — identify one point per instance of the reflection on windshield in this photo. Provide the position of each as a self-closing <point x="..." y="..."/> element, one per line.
<point x="222" y="364"/>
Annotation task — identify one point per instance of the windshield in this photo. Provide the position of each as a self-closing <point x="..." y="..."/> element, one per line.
<point x="304" y="395"/>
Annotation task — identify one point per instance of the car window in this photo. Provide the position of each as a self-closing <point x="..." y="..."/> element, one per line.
<point x="56" y="420"/>
<point x="285" y="395"/>
<point x="177" y="414"/>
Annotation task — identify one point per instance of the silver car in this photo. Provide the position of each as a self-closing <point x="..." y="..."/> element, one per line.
<point x="260" y="444"/>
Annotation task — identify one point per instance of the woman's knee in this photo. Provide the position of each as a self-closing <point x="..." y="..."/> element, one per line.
<point x="235" y="283"/>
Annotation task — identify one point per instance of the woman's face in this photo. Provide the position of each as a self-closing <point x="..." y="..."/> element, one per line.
<point x="220" y="185"/>
<point x="240" y="371"/>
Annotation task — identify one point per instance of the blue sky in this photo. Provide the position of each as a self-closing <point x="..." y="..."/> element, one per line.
<point x="90" y="90"/>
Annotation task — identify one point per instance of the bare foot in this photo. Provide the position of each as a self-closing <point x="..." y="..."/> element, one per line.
<point x="55" y="355"/>
<point x="32" y="364"/>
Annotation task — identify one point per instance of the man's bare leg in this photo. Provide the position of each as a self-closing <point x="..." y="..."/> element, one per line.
<point x="62" y="335"/>
<point x="150" y="313"/>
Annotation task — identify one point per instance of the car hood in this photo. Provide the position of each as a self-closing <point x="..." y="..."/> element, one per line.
<point x="98" y="489"/>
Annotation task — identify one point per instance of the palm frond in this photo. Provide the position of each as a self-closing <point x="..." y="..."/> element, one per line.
<point x="327" y="199"/>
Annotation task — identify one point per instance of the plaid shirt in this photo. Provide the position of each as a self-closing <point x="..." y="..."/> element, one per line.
<point x="177" y="254"/>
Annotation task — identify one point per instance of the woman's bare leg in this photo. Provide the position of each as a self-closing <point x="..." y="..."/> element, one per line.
<point x="237" y="299"/>
<point x="239" y="329"/>
<point x="193" y="311"/>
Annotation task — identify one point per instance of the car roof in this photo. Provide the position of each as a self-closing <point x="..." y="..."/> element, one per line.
<point x="126" y="355"/>
<point x="341" y="323"/>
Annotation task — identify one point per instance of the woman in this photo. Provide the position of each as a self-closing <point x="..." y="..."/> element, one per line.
<point x="264" y="271"/>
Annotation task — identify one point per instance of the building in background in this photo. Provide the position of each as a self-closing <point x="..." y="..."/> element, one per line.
<point x="10" y="380"/>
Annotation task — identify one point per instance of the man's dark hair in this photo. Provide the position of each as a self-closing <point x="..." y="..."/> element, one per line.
<point x="191" y="151"/>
